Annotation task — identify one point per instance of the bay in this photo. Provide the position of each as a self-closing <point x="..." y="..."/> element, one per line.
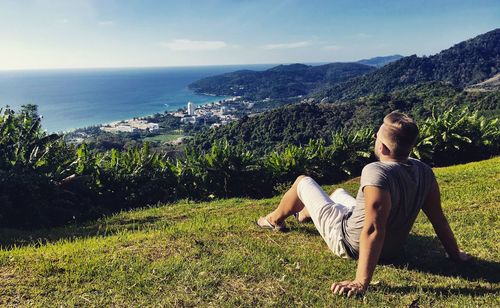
<point x="74" y="98"/>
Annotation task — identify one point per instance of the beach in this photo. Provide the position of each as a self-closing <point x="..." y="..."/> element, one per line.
<point x="70" y="99"/>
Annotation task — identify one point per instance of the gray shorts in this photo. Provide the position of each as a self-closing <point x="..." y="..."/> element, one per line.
<point x="326" y="212"/>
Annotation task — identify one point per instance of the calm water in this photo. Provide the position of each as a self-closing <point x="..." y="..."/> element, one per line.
<point x="70" y="99"/>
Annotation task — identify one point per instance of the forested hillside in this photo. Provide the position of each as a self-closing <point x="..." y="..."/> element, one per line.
<point x="464" y="64"/>
<point x="282" y="81"/>
<point x="296" y="124"/>
<point x="416" y="85"/>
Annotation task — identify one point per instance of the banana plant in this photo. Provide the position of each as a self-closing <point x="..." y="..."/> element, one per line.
<point x="228" y="168"/>
<point x="456" y="135"/>
<point x="24" y="143"/>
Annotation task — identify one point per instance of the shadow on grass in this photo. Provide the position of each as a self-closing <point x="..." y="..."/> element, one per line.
<point x="445" y="292"/>
<point x="426" y="254"/>
<point x="423" y="253"/>
<point x="10" y="238"/>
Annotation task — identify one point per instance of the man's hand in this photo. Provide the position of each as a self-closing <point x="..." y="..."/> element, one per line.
<point x="349" y="288"/>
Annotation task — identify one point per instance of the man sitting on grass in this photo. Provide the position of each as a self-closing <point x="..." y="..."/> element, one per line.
<point x="376" y="224"/>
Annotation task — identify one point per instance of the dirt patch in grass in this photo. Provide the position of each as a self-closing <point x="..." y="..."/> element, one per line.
<point x="262" y="291"/>
<point x="158" y="248"/>
<point x="7" y="275"/>
<point x="10" y="280"/>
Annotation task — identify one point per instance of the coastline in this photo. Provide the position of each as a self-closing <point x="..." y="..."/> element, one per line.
<point x="73" y="99"/>
<point x="170" y="110"/>
<point x="142" y="123"/>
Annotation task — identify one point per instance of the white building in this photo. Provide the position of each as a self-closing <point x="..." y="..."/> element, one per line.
<point x="215" y="125"/>
<point x="190" y="109"/>
<point x="119" y="128"/>
<point x="191" y="120"/>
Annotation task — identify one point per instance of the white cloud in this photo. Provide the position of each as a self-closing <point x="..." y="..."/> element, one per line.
<point x="332" y="47"/>
<point x="62" y="21"/>
<point x="287" y="45"/>
<point x="363" y="35"/>
<point x="184" y="44"/>
<point x="106" y="23"/>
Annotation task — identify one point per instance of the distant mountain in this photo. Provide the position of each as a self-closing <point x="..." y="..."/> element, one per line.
<point x="282" y="81"/>
<point x="466" y="74"/>
<point x="380" y="61"/>
<point x="464" y="64"/>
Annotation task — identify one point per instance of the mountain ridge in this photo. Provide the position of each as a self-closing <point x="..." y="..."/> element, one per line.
<point x="282" y="81"/>
<point x="465" y="63"/>
<point x="380" y="60"/>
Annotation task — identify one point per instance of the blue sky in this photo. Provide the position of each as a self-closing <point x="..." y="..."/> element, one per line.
<point x="128" y="33"/>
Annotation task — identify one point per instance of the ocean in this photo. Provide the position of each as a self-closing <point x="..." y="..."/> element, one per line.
<point x="75" y="98"/>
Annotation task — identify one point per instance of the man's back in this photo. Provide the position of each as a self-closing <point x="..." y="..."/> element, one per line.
<point x="408" y="184"/>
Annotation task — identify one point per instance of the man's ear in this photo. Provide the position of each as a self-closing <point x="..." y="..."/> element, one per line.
<point x="384" y="150"/>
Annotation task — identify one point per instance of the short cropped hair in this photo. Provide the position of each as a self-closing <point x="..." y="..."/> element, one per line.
<point x="402" y="133"/>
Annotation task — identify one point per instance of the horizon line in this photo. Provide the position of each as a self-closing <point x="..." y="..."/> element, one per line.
<point x="182" y="66"/>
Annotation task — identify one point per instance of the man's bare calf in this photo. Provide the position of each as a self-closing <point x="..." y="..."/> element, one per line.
<point x="289" y="205"/>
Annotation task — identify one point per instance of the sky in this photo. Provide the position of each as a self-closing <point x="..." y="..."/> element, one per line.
<point x="41" y="34"/>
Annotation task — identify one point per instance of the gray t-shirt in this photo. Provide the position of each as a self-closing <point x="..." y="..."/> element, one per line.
<point x="409" y="184"/>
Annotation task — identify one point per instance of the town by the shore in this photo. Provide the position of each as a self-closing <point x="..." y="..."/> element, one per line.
<point x="212" y="114"/>
<point x="216" y="113"/>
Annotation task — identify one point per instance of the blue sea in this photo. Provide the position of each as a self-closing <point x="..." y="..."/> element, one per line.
<point x="74" y="98"/>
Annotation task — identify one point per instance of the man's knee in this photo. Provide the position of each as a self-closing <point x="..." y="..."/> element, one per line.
<point x="299" y="178"/>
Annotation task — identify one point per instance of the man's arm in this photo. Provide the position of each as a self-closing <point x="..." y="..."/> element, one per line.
<point x="377" y="209"/>
<point x="434" y="212"/>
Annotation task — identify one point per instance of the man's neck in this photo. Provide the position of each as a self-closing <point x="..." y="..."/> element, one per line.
<point x="388" y="159"/>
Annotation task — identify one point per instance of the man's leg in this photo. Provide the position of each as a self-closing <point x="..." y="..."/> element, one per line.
<point x="326" y="214"/>
<point x="340" y="196"/>
<point x="289" y="205"/>
<point x="304" y="215"/>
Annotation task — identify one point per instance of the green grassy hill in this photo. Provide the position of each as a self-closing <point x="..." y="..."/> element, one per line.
<point x="212" y="254"/>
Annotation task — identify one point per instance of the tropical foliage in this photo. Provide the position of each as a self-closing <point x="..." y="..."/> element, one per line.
<point x="45" y="182"/>
<point x="457" y="136"/>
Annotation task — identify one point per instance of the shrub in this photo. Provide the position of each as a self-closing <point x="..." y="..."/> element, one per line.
<point x="46" y="182"/>
<point x="457" y="136"/>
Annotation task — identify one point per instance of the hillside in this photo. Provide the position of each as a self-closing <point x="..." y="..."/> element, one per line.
<point x="282" y="81"/>
<point x="416" y="85"/>
<point x="380" y="61"/>
<point x="297" y="123"/>
<point x="463" y="64"/>
<point x="492" y="84"/>
<point x="212" y="254"/>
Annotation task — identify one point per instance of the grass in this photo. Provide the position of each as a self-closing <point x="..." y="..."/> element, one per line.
<point x="212" y="254"/>
<point x="165" y="137"/>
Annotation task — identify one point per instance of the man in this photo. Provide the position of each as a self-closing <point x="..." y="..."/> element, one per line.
<point x="376" y="224"/>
